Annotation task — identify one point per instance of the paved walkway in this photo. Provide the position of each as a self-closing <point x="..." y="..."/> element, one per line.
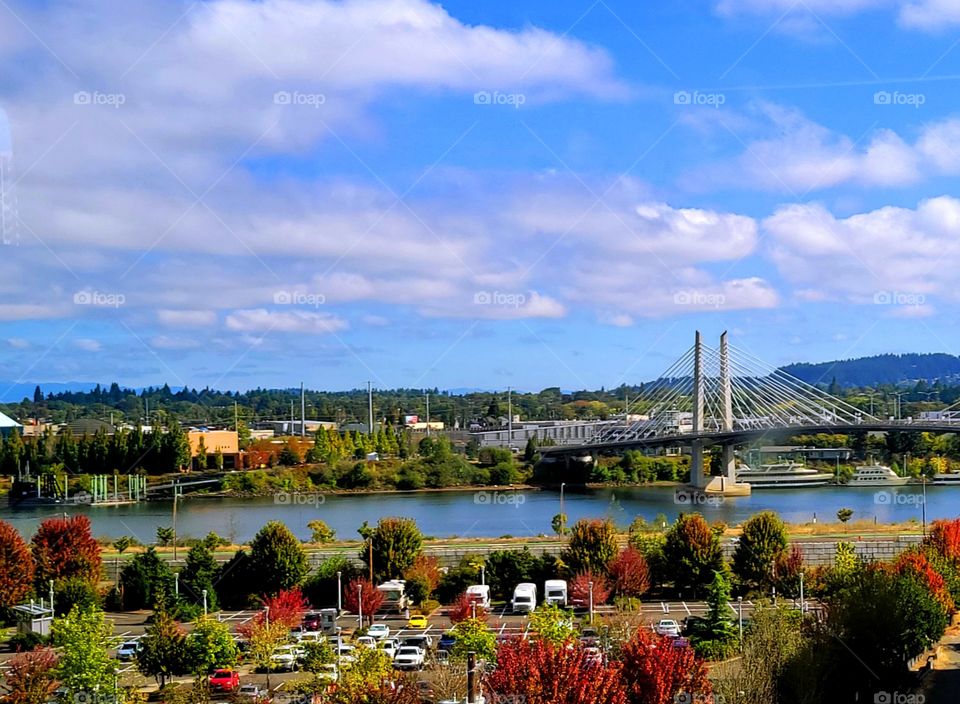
<point x="942" y="684"/>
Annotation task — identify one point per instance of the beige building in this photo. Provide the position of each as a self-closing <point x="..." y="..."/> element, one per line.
<point x="226" y="441"/>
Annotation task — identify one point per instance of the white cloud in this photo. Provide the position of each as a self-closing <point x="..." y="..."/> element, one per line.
<point x="800" y="156"/>
<point x="893" y="257"/>
<point x="187" y="318"/>
<point x="261" y="320"/>
<point x="167" y="342"/>
<point x="87" y="344"/>
<point x="18" y="343"/>
<point x="926" y="15"/>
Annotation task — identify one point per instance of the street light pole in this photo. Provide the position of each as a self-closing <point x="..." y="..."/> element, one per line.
<point x="339" y="593"/>
<point x="563" y="523"/>
<point x="591" y="603"/>
<point x="204" y="602"/>
<point x="802" y="605"/>
<point x="483" y="574"/>
<point x="740" y="614"/>
<point x="359" y="606"/>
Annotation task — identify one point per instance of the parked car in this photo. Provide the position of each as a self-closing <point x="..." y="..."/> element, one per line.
<point x="389" y="646"/>
<point x="423" y="641"/>
<point x="378" y="631"/>
<point x="252" y="692"/>
<point x="345" y="653"/>
<point x="225" y="680"/>
<point x="328" y="672"/>
<point x="667" y="627"/>
<point x="128" y="650"/>
<point x="446" y="641"/>
<point x="286" y="658"/>
<point x="409" y="657"/>
<point x="418" y="621"/>
<point x="366" y="642"/>
<point x="311" y="621"/>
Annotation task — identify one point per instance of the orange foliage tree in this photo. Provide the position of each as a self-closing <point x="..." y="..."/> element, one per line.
<point x="65" y="548"/>
<point x="944" y="537"/>
<point x="16" y="567"/>
<point x="915" y="561"/>
<point x="362" y="592"/>
<point x="536" y="672"/>
<point x="463" y="608"/>
<point x="580" y="589"/>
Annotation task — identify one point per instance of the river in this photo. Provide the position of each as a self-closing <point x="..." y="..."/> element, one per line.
<point x="485" y="514"/>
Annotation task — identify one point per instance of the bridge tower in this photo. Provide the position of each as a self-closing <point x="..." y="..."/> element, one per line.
<point x="726" y="386"/>
<point x="697" y="476"/>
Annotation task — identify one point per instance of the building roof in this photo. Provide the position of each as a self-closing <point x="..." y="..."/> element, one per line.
<point x="89" y="426"/>
<point x="8" y="422"/>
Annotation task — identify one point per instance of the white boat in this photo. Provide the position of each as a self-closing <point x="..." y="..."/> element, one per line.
<point x="784" y="475"/>
<point x="947" y="478"/>
<point x="876" y="475"/>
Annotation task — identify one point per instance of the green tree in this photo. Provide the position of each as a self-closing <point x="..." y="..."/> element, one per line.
<point x="763" y="541"/>
<point x="320" y="532"/>
<point x="397" y="542"/>
<point x="164" y="535"/>
<point x="559" y="524"/>
<point x="209" y="646"/>
<point x="844" y="515"/>
<point x="277" y="558"/>
<point x="163" y="648"/>
<point x="85" y="665"/>
<point x="145" y="580"/>
<point x="507" y="568"/>
<point x="472" y="635"/>
<point x="553" y="624"/>
<point x="592" y="546"/>
<point x="692" y="552"/>
<point x="198" y="574"/>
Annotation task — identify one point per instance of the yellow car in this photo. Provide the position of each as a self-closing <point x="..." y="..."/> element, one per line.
<point x="417" y="621"/>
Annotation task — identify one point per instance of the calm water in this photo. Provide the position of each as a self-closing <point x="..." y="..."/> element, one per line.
<point x="488" y="514"/>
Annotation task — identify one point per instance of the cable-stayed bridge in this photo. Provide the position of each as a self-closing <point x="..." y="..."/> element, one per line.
<point x="726" y="396"/>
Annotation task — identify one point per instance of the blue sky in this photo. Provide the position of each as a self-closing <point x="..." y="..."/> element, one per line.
<point x="239" y="194"/>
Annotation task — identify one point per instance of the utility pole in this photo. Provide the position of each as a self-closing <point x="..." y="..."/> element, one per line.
<point x="428" y="414"/>
<point x="236" y="418"/>
<point x="370" y="407"/>
<point x="303" y="412"/>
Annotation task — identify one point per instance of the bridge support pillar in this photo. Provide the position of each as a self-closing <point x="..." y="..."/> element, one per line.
<point x="729" y="464"/>
<point x="698" y="478"/>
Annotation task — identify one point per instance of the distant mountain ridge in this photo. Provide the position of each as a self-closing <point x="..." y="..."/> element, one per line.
<point x="881" y="369"/>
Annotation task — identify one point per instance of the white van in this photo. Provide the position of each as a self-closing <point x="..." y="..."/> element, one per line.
<point x="524" y="598"/>
<point x="479" y="594"/>
<point x="555" y="592"/>
<point x="394" y="595"/>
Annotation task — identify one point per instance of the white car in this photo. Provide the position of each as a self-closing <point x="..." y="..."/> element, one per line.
<point x="345" y="653"/>
<point x="366" y="642"/>
<point x="409" y="657"/>
<point x="379" y="631"/>
<point x="251" y="691"/>
<point x="389" y="646"/>
<point x="667" y="627"/>
<point x="286" y="658"/>
<point x="328" y="672"/>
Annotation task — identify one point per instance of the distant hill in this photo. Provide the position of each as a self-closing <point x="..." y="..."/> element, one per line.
<point x="881" y="369"/>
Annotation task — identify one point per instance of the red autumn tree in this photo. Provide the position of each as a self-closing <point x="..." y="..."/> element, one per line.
<point x="536" y="672"/>
<point x="30" y="679"/>
<point x="463" y="608"/>
<point x="944" y="537"/>
<point x="287" y="607"/>
<point x="915" y="561"/>
<point x="630" y="573"/>
<point x="16" y="567"/>
<point x="580" y="589"/>
<point x="65" y="548"/>
<point x="655" y="670"/>
<point x="362" y="592"/>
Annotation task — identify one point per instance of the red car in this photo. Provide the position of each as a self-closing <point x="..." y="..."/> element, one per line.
<point x="225" y="680"/>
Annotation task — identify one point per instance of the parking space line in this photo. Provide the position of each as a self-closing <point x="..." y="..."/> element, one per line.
<point x="665" y="607"/>
<point x="686" y="608"/>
